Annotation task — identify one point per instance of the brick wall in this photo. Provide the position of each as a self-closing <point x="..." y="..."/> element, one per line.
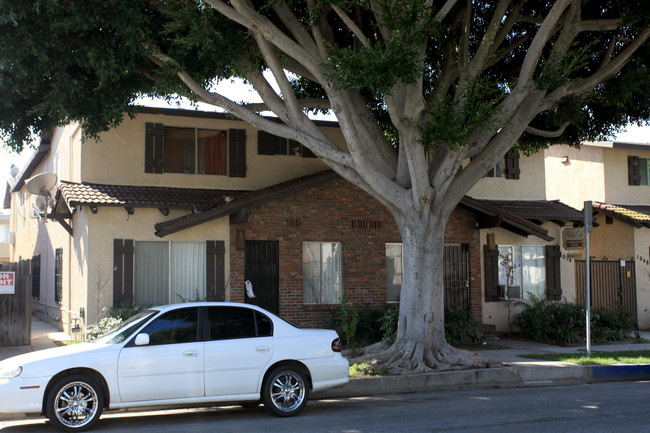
<point x="336" y="212"/>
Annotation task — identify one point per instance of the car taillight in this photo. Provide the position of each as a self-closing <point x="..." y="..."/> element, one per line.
<point x="336" y="345"/>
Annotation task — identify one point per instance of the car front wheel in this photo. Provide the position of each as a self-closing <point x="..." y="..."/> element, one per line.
<point x="75" y="403"/>
<point x="285" y="391"/>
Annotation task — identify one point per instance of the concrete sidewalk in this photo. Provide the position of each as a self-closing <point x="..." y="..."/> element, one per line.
<point x="516" y="371"/>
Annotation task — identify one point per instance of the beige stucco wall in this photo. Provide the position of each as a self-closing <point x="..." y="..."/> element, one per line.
<point x="612" y="241"/>
<point x="529" y="186"/>
<point x="642" y="268"/>
<point x="575" y="175"/>
<point x="111" y="223"/>
<point x="119" y="157"/>
<point x="501" y="313"/>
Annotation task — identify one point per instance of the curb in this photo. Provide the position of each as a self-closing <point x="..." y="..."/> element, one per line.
<point x="520" y="375"/>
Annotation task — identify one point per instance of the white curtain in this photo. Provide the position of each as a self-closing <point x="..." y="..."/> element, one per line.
<point x="322" y="273"/>
<point x="393" y="271"/>
<point x="187" y="271"/>
<point x="151" y="273"/>
<point x="533" y="271"/>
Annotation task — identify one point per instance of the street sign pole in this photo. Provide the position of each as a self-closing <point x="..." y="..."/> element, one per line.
<point x="588" y="218"/>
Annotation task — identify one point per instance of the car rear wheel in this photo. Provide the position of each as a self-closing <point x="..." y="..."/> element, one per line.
<point x="75" y="403"/>
<point x="285" y="391"/>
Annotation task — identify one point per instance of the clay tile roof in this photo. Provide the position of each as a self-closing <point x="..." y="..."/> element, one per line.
<point x="89" y="194"/>
<point x="539" y="210"/>
<point x="635" y="215"/>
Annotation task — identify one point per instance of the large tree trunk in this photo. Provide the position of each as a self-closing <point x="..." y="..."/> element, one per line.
<point x="420" y="344"/>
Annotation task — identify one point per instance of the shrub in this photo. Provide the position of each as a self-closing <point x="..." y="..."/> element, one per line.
<point x="564" y="323"/>
<point x="461" y="329"/>
<point x="100" y="328"/>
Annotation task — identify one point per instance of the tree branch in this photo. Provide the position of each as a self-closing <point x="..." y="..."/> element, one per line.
<point x="351" y="25"/>
<point x="547" y="134"/>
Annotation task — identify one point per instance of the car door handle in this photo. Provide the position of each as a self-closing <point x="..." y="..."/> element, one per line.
<point x="263" y="349"/>
<point x="191" y="353"/>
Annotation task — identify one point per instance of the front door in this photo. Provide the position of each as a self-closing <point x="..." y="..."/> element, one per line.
<point x="262" y="269"/>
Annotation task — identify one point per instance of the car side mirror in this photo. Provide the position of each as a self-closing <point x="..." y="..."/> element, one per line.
<point x="142" y="339"/>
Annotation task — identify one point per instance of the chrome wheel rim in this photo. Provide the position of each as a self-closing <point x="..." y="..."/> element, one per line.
<point x="287" y="391"/>
<point x="76" y="404"/>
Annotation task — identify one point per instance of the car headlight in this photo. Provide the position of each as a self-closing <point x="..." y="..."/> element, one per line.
<point x="10" y="371"/>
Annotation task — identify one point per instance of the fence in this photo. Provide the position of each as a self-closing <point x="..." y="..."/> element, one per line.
<point x="16" y="309"/>
<point x="612" y="285"/>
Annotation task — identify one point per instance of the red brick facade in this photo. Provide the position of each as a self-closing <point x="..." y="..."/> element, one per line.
<point x="337" y="212"/>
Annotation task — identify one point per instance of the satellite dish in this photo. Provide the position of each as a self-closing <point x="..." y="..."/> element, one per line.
<point x="41" y="203"/>
<point x="41" y="184"/>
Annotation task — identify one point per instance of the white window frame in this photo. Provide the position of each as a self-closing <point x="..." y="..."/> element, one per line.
<point x="193" y="294"/>
<point x="325" y="291"/>
<point x="518" y="280"/>
<point x="397" y="272"/>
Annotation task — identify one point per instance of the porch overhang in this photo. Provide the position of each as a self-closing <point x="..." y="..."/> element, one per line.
<point x="638" y="216"/>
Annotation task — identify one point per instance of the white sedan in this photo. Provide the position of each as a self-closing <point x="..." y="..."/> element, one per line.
<point x="175" y="355"/>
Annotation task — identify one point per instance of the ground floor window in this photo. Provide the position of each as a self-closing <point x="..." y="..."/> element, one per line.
<point x="394" y="266"/>
<point x="322" y="272"/>
<point x="522" y="271"/>
<point x="169" y="272"/>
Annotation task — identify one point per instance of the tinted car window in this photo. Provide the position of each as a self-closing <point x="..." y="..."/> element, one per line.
<point x="175" y="327"/>
<point x="264" y="325"/>
<point x="228" y="322"/>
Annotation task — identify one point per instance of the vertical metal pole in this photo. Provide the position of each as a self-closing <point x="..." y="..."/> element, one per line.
<point x="588" y="286"/>
<point x="588" y="219"/>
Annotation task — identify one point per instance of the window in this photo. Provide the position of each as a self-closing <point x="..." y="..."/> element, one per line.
<point x="228" y="323"/>
<point x="179" y="326"/>
<point x="36" y="276"/>
<point x="322" y="272"/>
<point x="522" y="272"/>
<point x="195" y="151"/>
<point x="269" y="144"/>
<point x="58" y="275"/>
<point x="499" y="170"/>
<point x="394" y="264"/>
<point x="507" y="167"/>
<point x="167" y="272"/>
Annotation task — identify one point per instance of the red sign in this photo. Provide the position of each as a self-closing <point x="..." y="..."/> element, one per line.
<point x="7" y="285"/>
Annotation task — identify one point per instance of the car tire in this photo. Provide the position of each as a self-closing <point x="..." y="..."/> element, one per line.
<point x="285" y="391"/>
<point x="75" y="403"/>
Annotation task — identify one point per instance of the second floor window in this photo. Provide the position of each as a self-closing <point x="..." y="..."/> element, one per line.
<point x="196" y="151"/>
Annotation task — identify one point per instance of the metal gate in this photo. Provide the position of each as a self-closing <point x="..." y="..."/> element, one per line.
<point x="262" y="269"/>
<point x="456" y="276"/>
<point x="611" y="284"/>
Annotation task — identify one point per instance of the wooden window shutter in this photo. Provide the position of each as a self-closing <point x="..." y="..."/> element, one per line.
<point x="237" y="152"/>
<point x="553" y="277"/>
<point x="633" y="170"/>
<point x="153" y="147"/>
<point x="215" y="252"/>
<point x="122" y="272"/>
<point x="512" y="165"/>
<point x="491" y="273"/>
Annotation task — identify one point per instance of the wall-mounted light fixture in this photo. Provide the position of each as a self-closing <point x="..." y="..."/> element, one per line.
<point x="491" y="242"/>
<point x="566" y="160"/>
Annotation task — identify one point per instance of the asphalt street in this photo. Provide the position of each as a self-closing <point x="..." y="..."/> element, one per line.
<point x="601" y="407"/>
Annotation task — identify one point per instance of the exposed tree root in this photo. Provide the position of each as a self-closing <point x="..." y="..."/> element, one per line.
<point x="414" y="358"/>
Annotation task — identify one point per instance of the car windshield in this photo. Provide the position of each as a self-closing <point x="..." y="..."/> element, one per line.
<point x="125" y="329"/>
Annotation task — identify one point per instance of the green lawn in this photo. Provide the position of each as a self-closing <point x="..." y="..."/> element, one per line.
<point x="597" y="358"/>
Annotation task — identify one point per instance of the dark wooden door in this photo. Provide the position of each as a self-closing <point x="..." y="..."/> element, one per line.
<point x="262" y="269"/>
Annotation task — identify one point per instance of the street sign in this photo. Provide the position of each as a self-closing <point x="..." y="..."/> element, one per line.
<point x="7" y="283"/>
<point x="573" y="239"/>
